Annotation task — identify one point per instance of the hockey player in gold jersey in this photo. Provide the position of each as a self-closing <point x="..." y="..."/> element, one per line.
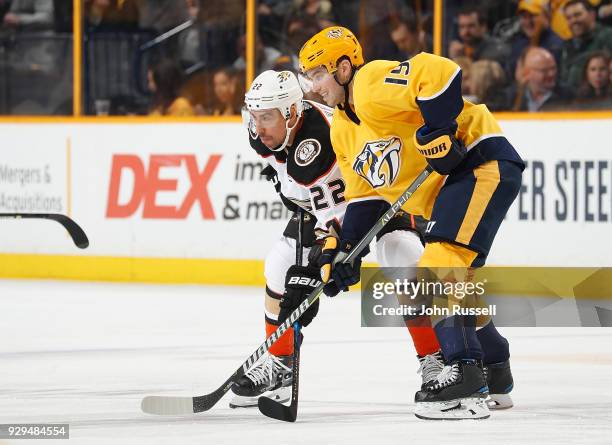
<point x="391" y="119"/>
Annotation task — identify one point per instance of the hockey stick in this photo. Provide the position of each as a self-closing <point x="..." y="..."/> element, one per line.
<point x="185" y="405"/>
<point x="76" y="233"/>
<point x="267" y="406"/>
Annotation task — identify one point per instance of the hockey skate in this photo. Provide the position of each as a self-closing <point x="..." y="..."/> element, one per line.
<point x="430" y="366"/>
<point x="459" y="392"/>
<point x="271" y="377"/>
<point x="500" y="382"/>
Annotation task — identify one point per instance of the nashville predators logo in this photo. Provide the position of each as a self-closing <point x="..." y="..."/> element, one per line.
<point x="283" y="76"/>
<point x="334" y="33"/>
<point x="379" y="162"/>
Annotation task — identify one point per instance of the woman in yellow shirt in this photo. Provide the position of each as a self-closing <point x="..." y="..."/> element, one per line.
<point x="165" y="81"/>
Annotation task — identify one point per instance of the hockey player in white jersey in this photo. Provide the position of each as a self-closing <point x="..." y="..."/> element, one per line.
<point x="292" y="135"/>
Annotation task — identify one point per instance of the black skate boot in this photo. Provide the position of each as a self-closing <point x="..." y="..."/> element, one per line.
<point x="271" y="377"/>
<point x="500" y="382"/>
<point x="430" y="366"/>
<point x="459" y="392"/>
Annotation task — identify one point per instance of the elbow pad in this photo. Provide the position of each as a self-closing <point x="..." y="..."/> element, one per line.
<point x="441" y="148"/>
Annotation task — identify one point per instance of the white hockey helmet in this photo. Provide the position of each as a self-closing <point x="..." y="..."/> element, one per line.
<point x="275" y="89"/>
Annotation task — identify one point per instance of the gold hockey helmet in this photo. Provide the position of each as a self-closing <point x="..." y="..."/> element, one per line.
<point x="326" y="47"/>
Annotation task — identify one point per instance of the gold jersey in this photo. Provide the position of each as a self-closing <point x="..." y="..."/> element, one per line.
<point x="378" y="157"/>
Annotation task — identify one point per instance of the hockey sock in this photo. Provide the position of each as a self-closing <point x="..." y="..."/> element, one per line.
<point x="284" y="345"/>
<point x="457" y="337"/>
<point x="495" y="347"/>
<point x="423" y="335"/>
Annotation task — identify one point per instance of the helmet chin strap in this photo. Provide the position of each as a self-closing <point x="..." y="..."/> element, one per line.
<point x="288" y="129"/>
<point x="346" y="106"/>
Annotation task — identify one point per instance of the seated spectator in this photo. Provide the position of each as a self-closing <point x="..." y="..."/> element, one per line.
<point x="474" y="41"/>
<point x="595" y="90"/>
<point x="407" y="37"/>
<point x="225" y="86"/>
<point x="534" y="21"/>
<point x="537" y="87"/>
<point x="165" y="81"/>
<point x="30" y="15"/>
<point x="486" y="84"/>
<point x="587" y="36"/>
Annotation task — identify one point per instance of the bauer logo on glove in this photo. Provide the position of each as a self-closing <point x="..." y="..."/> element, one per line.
<point x="436" y="148"/>
<point x="442" y="150"/>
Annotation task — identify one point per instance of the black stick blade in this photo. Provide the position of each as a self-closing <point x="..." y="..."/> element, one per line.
<point x="271" y="408"/>
<point x="76" y="233"/>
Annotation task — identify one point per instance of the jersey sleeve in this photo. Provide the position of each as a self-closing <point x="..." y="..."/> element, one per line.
<point x="437" y="85"/>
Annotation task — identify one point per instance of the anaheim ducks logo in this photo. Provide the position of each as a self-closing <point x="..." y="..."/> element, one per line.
<point x="379" y="161"/>
<point x="307" y="151"/>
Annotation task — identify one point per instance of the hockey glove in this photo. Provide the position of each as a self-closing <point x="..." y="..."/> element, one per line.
<point x="442" y="150"/>
<point x="338" y="276"/>
<point x="300" y="281"/>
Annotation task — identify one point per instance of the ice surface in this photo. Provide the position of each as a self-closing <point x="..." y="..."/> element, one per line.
<point x="86" y="353"/>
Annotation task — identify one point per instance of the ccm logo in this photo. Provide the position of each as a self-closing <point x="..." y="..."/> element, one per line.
<point x="144" y="184"/>
<point x="304" y="281"/>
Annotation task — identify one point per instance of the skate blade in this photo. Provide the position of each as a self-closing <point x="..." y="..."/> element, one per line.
<point x="459" y="409"/>
<point x="281" y="395"/>
<point x="499" y="401"/>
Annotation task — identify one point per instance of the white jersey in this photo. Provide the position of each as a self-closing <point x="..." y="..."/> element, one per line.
<point x="307" y="170"/>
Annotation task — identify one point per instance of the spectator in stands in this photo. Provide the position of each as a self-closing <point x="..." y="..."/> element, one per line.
<point x="28" y="15"/>
<point x="537" y="88"/>
<point x="474" y="41"/>
<point x="595" y="90"/>
<point x="225" y="86"/>
<point x="465" y="64"/>
<point x="407" y="37"/>
<point x="165" y="82"/>
<point x="587" y="36"/>
<point x="486" y="84"/>
<point x="534" y="21"/>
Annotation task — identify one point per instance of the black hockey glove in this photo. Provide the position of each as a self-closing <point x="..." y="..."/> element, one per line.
<point x="299" y="283"/>
<point x="270" y="174"/>
<point x="338" y="276"/>
<point x="442" y="150"/>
